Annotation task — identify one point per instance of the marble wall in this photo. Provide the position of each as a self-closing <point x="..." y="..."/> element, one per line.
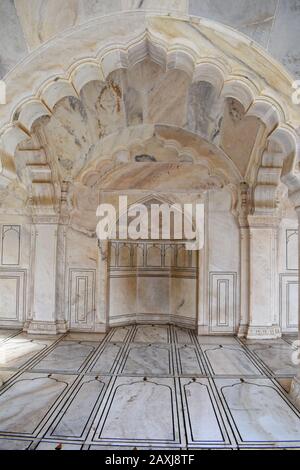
<point x="24" y="25"/>
<point x="147" y="281"/>
<point x="152" y="282"/>
<point x="14" y="271"/>
<point x="288" y="275"/>
<point x="222" y="264"/>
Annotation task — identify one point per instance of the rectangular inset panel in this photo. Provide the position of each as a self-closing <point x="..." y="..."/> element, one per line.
<point x="153" y="295"/>
<point x="289" y="302"/>
<point x="73" y="421"/>
<point x="82" y="298"/>
<point x="205" y="426"/>
<point x="222" y="302"/>
<point x="259" y="413"/>
<point x="183" y="297"/>
<point x="223" y="313"/>
<point x="122" y="295"/>
<point x="10" y="253"/>
<point x="12" y="297"/>
<point x="9" y="298"/>
<point x="291" y="249"/>
<point x="139" y="411"/>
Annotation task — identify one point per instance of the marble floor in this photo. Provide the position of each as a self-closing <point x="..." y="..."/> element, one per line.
<point x="145" y="386"/>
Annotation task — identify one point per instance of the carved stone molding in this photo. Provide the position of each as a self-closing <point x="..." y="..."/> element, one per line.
<point x="150" y="37"/>
<point x="264" y="332"/>
<point x="46" y="327"/>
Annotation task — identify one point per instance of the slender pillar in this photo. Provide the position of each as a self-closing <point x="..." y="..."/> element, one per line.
<point x="244" y="258"/>
<point x="263" y="278"/>
<point x="244" y="280"/>
<point x="295" y="386"/>
<point x="43" y="319"/>
<point x="102" y="323"/>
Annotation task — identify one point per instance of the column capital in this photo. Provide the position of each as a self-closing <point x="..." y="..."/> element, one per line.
<point x="45" y="219"/>
<point x="103" y="249"/>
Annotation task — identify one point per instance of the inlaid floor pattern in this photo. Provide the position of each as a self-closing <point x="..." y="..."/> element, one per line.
<point x="145" y="386"/>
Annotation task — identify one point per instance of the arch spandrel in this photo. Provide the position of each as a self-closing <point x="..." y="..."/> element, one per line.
<point x="238" y="69"/>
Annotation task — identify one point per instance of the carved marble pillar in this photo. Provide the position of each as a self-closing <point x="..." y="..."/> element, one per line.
<point x="43" y="318"/>
<point x="263" y="278"/>
<point x="295" y="386"/>
<point x="244" y="258"/>
<point x="62" y="228"/>
<point x="101" y="320"/>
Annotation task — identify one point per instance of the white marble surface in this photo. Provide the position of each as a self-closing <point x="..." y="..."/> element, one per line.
<point x="105" y="362"/>
<point x="261" y="20"/>
<point x="136" y="397"/>
<point x="189" y="360"/>
<point x="28" y="400"/>
<point x="68" y="356"/>
<point x="4" y="334"/>
<point x="21" y="348"/>
<point x="151" y="334"/>
<point x="205" y="422"/>
<point x="148" y="359"/>
<point x="259" y="411"/>
<point x="229" y="360"/>
<point x="178" y="392"/>
<point x="277" y="357"/>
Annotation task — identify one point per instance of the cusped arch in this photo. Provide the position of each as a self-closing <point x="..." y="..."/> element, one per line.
<point x="181" y="52"/>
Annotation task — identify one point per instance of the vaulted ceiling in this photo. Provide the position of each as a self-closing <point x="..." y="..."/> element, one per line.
<point x="170" y="105"/>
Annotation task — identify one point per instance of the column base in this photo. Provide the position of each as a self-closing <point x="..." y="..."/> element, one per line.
<point x="202" y="330"/>
<point x="295" y="391"/>
<point x="242" y="331"/>
<point x="101" y="328"/>
<point x="263" y="332"/>
<point x="45" y="327"/>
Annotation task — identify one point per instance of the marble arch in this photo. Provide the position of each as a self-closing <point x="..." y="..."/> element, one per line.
<point x="79" y="107"/>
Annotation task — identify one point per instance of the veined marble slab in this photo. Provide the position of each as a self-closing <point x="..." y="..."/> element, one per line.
<point x="204" y="422"/>
<point x="148" y="359"/>
<point x="44" y="445"/>
<point x="118" y="402"/>
<point x="151" y="334"/>
<point x="120" y="334"/>
<point x="105" y="363"/>
<point x="259" y="412"/>
<point x="25" y="403"/>
<point x="182" y="335"/>
<point x="290" y="338"/>
<point x="229" y="360"/>
<point x="72" y="421"/>
<point x="17" y="351"/>
<point x="217" y="340"/>
<point x="14" y="444"/>
<point x="67" y="356"/>
<point x="5" y="375"/>
<point x="141" y="411"/>
<point x="189" y="363"/>
<point x="4" y="334"/>
<point x="80" y="336"/>
<point x="277" y="357"/>
<point x="285" y="382"/>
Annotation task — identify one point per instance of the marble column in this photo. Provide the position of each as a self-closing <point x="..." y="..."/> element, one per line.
<point x="244" y="280"/>
<point x="244" y="258"/>
<point x="295" y="386"/>
<point x="43" y="319"/>
<point x="101" y="320"/>
<point x="263" y="278"/>
<point x="62" y="228"/>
